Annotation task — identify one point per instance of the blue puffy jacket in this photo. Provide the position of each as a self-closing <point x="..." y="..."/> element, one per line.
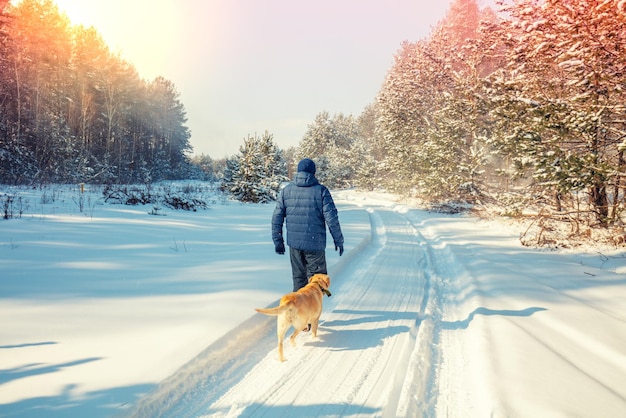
<point x="307" y="207"/>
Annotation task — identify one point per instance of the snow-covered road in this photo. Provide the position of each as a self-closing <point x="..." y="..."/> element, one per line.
<point x="427" y="319"/>
<point x="358" y="363"/>
<point x="120" y="312"/>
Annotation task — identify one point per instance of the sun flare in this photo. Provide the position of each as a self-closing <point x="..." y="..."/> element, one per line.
<point x="140" y="30"/>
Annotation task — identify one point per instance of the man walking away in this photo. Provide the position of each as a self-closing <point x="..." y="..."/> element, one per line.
<point x="306" y="207"/>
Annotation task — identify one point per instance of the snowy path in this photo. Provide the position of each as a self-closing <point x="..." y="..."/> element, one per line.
<point x="363" y="343"/>
<point x="358" y="364"/>
<point x="425" y="321"/>
<point x="522" y="332"/>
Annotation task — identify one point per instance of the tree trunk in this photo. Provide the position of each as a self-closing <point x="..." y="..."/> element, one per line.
<point x="600" y="203"/>
<point x="616" y="189"/>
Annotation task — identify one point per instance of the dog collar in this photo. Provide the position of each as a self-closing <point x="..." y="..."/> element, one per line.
<point x="324" y="291"/>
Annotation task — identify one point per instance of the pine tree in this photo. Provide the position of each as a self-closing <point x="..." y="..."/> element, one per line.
<point x="559" y="102"/>
<point x="428" y="113"/>
<point x="274" y="170"/>
<point x="328" y="141"/>
<point x="366" y="154"/>
<point x="257" y="172"/>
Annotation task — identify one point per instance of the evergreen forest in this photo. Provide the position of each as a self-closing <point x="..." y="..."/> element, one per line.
<point x="522" y="105"/>
<point x="72" y="111"/>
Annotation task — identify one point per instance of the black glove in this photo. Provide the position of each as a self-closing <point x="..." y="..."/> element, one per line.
<point x="280" y="248"/>
<point x="340" y="247"/>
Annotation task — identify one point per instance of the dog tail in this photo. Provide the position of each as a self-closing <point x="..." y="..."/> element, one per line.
<point x="272" y="311"/>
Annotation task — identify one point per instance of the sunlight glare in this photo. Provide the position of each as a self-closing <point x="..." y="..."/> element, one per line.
<point x="141" y="31"/>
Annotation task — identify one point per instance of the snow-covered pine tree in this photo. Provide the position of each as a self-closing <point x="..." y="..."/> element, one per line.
<point x="230" y="173"/>
<point x="318" y="137"/>
<point x="366" y="153"/>
<point x="274" y="170"/>
<point x="246" y="185"/>
<point x="256" y="173"/>
<point x="316" y="144"/>
<point x="328" y="141"/>
<point x="431" y="122"/>
<point x="341" y="161"/>
<point x="453" y="154"/>
<point x="560" y="101"/>
<point x="404" y="102"/>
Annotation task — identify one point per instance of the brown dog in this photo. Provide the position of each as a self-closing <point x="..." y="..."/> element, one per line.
<point x="302" y="309"/>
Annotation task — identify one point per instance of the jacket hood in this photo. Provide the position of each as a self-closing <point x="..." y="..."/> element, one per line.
<point x="304" y="179"/>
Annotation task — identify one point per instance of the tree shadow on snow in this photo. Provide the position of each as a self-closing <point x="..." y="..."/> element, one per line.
<point x="68" y="403"/>
<point x="35" y="369"/>
<point x="71" y="401"/>
<point x="455" y="325"/>
<point x="6" y="347"/>
<point x="313" y="410"/>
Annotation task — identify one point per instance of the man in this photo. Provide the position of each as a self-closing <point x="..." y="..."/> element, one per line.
<point x="307" y="207"/>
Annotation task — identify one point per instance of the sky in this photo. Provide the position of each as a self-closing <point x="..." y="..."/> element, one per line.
<point x="243" y="67"/>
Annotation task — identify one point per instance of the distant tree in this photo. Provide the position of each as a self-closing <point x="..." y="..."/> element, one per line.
<point x="412" y="91"/>
<point x="207" y="165"/>
<point x="274" y="168"/>
<point x="170" y="135"/>
<point x="256" y="173"/>
<point x="328" y="141"/>
<point x="231" y="173"/>
<point x="318" y="138"/>
<point x="289" y="155"/>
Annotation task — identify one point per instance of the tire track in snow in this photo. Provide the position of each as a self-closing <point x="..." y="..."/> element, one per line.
<point x="471" y="364"/>
<point x="369" y="318"/>
<point x="364" y="353"/>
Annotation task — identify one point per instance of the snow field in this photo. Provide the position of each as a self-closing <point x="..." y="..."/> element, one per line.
<point x="115" y="312"/>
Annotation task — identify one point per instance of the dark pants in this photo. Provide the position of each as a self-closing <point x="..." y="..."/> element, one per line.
<point x="305" y="264"/>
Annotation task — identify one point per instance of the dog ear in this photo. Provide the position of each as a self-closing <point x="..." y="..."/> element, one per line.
<point x="321" y="279"/>
<point x="325" y="280"/>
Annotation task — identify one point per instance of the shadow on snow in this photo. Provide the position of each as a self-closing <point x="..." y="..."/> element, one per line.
<point x="452" y="325"/>
<point x="314" y="410"/>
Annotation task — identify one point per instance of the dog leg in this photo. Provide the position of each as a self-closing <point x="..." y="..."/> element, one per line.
<point x="281" y="330"/>
<point x="281" y="355"/>
<point x="293" y="337"/>
<point x="314" y="324"/>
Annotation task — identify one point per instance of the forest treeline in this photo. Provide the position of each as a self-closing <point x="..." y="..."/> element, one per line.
<point x="527" y="106"/>
<point x="72" y="111"/>
<point x="523" y="106"/>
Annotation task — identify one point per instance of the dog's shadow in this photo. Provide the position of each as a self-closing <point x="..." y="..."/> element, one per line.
<point x="352" y="334"/>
